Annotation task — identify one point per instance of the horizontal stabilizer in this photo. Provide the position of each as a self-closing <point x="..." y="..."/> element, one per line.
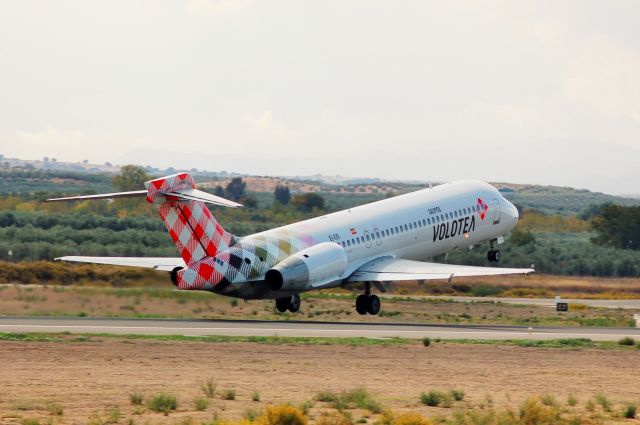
<point x="183" y="195"/>
<point x="162" y="264"/>
<point x="393" y="269"/>
<point x="132" y="194"/>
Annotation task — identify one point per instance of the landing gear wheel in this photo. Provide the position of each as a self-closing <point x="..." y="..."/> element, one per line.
<point x="373" y="306"/>
<point x="494" y="256"/>
<point x="282" y="304"/>
<point x="362" y="304"/>
<point x="294" y="303"/>
<point x="497" y="255"/>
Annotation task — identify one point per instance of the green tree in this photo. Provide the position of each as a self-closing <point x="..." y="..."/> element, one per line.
<point x="131" y="177"/>
<point x="307" y="201"/>
<point x="219" y="191"/>
<point x="617" y="226"/>
<point x="235" y="189"/>
<point x="282" y="194"/>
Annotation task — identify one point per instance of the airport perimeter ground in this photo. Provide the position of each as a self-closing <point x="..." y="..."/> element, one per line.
<point x="90" y="378"/>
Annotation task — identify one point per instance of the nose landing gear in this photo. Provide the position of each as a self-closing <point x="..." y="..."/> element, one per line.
<point x="494" y="255"/>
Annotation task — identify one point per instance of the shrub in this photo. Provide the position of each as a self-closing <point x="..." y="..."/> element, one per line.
<point x="326" y="397"/>
<point x="209" y="387"/>
<point x="458" y="395"/>
<point x="251" y="415"/>
<point x="435" y="398"/>
<point x="533" y="411"/>
<point x="136" y="398"/>
<point x="255" y="396"/>
<point x="229" y="394"/>
<point x="334" y="418"/>
<point x="55" y="409"/>
<point x="390" y="418"/>
<point x="163" y="403"/>
<point x="548" y="400"/>
<point x="283" y="415"/>
<point x="113" y="416"/>
<point x="572" y="400"/>
<point x="604" y="402"/>
<point x="630" y="412"/>
<point x="201" y="403"/>
<point x="627" y="341"/>
<point x="426" y="341"/>
<point x="361" y="399"/>
<point x="30" y="421"/>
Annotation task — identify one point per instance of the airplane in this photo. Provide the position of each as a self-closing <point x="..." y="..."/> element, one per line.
<point x="366" y="245"/>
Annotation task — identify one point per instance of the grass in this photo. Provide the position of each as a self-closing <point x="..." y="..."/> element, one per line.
<point x="358" y="398"/>
<point x="436" y="399"/>
<point x="255" y="396"/>
<point x="136" y="398"/>
<point x="228" y="394"/>
<point x="566" y="343"/>
<point x="209" y="387"/>
<point x="201" y="403"/>
<point x="163" y="403"/>
<point x="55" y="409"/>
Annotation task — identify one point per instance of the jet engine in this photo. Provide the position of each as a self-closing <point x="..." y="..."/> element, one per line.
<point x="311" y="267"/>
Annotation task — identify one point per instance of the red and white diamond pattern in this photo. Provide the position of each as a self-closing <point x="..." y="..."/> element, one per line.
<point x="190" y="223"/>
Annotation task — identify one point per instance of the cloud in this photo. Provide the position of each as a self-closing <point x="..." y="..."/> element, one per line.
<point x="217" y="8"/>
<point x="604" y="76"/>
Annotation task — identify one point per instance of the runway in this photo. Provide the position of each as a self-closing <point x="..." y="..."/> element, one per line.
<point x="303" y="329"/>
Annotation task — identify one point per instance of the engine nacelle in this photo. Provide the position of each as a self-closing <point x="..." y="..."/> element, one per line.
<point x="314" y="266"/>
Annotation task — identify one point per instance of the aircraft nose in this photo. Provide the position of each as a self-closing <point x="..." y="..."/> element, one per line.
<point x="512" y="212"/>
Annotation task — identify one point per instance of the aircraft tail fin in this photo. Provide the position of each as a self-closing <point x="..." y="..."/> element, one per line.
<point x="195" y="232"/>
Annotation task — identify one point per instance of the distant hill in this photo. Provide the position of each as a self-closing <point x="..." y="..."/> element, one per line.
<point x="28" y="177"/>
<point x="558" y="200"/>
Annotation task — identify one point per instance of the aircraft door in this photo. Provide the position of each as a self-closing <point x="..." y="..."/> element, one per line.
<point x="378" y="237"/>
<point x="495" y="204"/>
<point x="368" y="239"/>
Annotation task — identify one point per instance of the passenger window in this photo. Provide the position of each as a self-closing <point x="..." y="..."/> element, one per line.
<point x="424" y="222"/>
<point x="406" y="228"/>
<point x="348" y="243"/>
<point x="441" y="217"/>
<point x="387" y="231"/>
<point x="378" y="235"/>
<point x="429" y="221"/>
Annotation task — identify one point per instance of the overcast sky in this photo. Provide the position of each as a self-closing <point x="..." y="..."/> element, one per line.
<point x="531" y="92"/>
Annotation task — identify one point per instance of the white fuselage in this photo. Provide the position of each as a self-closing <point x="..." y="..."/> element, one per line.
<point x="414" y="226"/>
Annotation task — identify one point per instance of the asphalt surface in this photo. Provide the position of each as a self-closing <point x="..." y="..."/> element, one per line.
<point x="303" y="329"/>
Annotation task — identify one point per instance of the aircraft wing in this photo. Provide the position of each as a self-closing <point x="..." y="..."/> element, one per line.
<point x="393" y="269"/>
<point x="162" y="264"/>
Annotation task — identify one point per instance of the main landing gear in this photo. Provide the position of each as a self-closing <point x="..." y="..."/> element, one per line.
<point x="368" y="303"/>
<point x="291" y="303"/>
<point x="494" y="255"/>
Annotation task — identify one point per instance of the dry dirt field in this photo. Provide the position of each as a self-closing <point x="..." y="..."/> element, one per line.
<point x="91" y="381"/>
